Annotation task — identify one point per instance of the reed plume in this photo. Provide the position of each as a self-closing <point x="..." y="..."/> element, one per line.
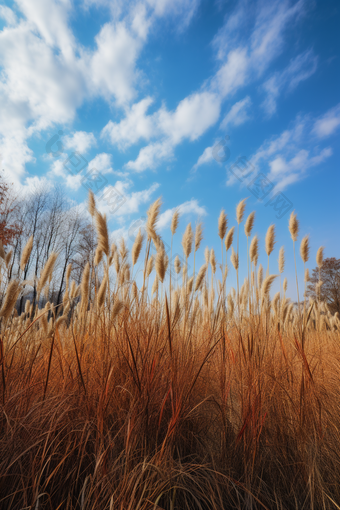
<point x="152" y="214"/>
<point x="91" y="204"/>
<point x="222" y="225"/>
<point x="198" y="236"/>
<point x="137" y="247"/>
<point x="229" y="238"/>
<point x="174" y="222"/>
<point x="26" y="253"/>
<point x="160" y="265"/>
<point x="47" y="271"/>
<point x="103" y="236"/>
<point x="240" y="210"/>
<point x="249" y="224"/>
<point x="187" y="241"/>
<point x="304" y="249"/>
<point x="12" y="293"/>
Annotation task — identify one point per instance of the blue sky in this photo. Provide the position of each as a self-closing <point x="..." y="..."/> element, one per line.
<point x="144" y="91"/>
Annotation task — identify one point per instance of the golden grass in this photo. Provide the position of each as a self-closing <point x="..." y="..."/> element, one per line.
<point x="187" y="400"/>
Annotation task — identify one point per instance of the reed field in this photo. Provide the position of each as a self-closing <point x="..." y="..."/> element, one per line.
<point x="146" y="392"/>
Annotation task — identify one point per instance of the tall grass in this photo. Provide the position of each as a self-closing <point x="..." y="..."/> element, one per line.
<point x="180" y="399"/>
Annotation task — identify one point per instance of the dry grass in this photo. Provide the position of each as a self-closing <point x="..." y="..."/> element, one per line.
<point x="121" y="401"/>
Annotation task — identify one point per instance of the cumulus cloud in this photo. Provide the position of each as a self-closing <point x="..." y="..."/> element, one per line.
<point x="238" y="113"/>
<point x="328" y="123"/>
<point x="135" y="126"/>
<point x="80" y="141"/>
<point x="205" y="157"/>
<point x="300" y="68"/>
<point x="286" y="158"/>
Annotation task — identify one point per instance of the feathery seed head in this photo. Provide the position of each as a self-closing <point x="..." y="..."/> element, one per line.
<point x="102" y="233"/>
<point x="319" y="256"/>
<point x="240" y="210"/>
<point x="248" y="226"/>
<point x="304" y="249"/>
<point x="174" y="222"/>
<point x="187" y="240"/>
<point x="234" y="259"/>
<point x="47" y="271"/>
<point x="270" y="239"/>
<point x="222" y="224"/>
<point x="229" y="238"/>
<point x="198" y="236"/>
<point x="254" y="248"/>
<point x="26" y="253"/>
<point x="177" y="264"/>
<point x="281" y="259"/>
<point x="293" y="226"/>
<point x="91" y="204"/>
<point x="12" y="293"/>
<point x="153" y="213"/>
<point x="136" y="248"/>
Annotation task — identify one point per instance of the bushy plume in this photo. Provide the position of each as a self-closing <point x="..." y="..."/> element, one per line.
<point x="47" y="271"/>
<point x="84" y="286"/>
<point x="198" y="236"/>
<point x="319" y="256"/>
<point x="153" y="213"/>
<point x="26" y="253"/>
<point x="254" y="248"/>
<point x="102" y="233"/>
<point x="293" y="226"/>
<point x="174" y="222"/>
<point x="260" y="276"/>
<point x="266" y="285"/>
<point x="91" y="204"/>
<point x="160" y="265"/>
<point x="150" y="265"/>
<point x="136" y="248"/>
<point x="270" y="239"/>
<point x="222" y="224"/>
<point x="304" y="249"/>
<point x="12" y="293"/>
<point x="234" y="259"/>
<point x="213" y="260"/>
<point x="248" y="226"/>
<point x="102" y="292"/>
<point x="187" y="240"/>
<point x="200" y="277"/>
<point x="177" y="264"/>
<point x="229" y="238"/>
<point x="281" y="259"/>
<point x="240" y="210"/>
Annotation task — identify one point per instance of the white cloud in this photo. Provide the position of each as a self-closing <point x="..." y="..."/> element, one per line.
<point x="129" y="203"/>
<point x="233" y="73"/>
<point x="8" y="15"/>
<point x="189" y="207"/>
<point x="135" y="126"/>
<point x="102" y="163"/>
<point x="284" y="157"/>
<point x="299" y="69"/>
<point x="151" y="156"/>
<point x="192" y="117"/>
<point x="112" y="67"/>
<point x="238" y="113"/>
<point x="328" y="123"/>
<point x="80" y="141"/>
<point x="205" y="157"/>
